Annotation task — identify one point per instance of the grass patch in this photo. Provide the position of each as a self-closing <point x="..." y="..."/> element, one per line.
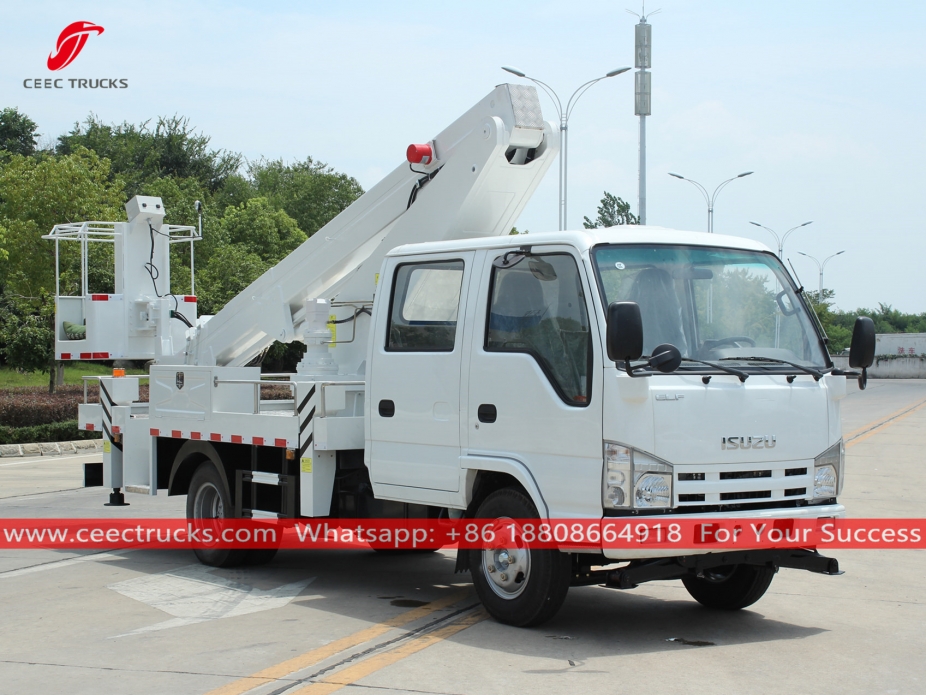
<point x="73" y="371"/>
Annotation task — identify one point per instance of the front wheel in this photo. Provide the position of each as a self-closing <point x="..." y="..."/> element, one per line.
<point x="518" y="586"/>
<point x="730" y="587"/>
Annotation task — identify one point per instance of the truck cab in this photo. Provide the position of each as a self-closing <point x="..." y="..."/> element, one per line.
<point x="489" y="357"/>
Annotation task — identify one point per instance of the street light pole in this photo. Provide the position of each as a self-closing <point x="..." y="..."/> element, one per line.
<point x="564" y="114"/>
<point x="710" y="198"/>
<point x="821" y="267"/>
<point x="781" y="239"/>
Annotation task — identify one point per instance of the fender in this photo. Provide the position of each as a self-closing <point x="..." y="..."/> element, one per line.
<point x="515" y="469"/>
<point x="206" y="450"/>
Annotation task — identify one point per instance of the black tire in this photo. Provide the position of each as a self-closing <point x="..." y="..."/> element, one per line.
<point x="730" y="587"/>
<point x="545" y="575"/>
<point x="208" y="498"/>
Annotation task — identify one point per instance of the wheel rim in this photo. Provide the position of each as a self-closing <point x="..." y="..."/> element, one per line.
<point x="507" y="565"/>
<point x="208" y="503"/>
<point x="718" y="575"/>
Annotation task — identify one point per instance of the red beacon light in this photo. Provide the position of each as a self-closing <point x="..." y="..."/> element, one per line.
<point x="419" y="154"/>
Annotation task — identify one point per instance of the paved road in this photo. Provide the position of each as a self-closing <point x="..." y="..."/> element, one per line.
<point x="157" y="622"/>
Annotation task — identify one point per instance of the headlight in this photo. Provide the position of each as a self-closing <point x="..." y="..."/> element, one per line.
<point x="632" y="478"/>
<point x="828" y="472"/>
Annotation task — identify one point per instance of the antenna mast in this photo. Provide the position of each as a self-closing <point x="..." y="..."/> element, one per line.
<point x="643" y="33"/>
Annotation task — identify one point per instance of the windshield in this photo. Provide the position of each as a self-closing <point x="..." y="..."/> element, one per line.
<point x="711" y="303"/>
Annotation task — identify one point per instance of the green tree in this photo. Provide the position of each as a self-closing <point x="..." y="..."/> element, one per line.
<point x="612" y="212"/>
<point x="230" y="270"/>
<point x="27" y="336"/>
<point x="258" y="227"/>
<point x="142" y="154"/>
<point x="17" y="133"/>
<point x="311" y="192"/>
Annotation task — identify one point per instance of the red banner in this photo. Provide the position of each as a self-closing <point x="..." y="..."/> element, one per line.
<point x="683" y="536"/>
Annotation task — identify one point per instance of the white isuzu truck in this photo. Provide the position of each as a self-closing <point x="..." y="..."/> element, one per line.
<point x="455" y="370"/>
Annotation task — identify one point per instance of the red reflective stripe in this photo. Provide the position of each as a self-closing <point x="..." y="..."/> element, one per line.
<point x="116" y="429"/>
<point x="154" y="432"/>
<point x="90" y="427"/>
<point x="257" y="441"/>
<point x="189" y="298"/>
<point x="279" y="442"/>
<point x="85" y="355"/>
<point x="236" y="439"/>
<point x="175" y="434"/>
<point x="195" y="435"/>
<point x="99" y="297"/>
<point x="100" y="356"/>
<point x="65" y="355"/>
<point x="215" y="437"/>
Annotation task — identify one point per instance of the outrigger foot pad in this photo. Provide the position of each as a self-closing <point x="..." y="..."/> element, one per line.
<point x="116" y="499"/>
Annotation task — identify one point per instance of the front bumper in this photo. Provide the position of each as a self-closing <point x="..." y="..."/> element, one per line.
<point x="824" y="511"/>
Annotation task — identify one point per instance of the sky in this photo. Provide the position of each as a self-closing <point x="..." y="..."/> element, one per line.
<point x="822" y="100"/>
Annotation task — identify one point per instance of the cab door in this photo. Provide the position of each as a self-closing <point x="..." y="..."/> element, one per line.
<point x="534" y="377"/>
<point x="415" y="374"/>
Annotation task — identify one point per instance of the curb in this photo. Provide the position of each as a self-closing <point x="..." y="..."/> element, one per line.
<point x="51" y="448"/>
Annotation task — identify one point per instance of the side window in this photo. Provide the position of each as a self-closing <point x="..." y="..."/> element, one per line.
<point x="425" y="304"/>
<point x="537" y="306"/>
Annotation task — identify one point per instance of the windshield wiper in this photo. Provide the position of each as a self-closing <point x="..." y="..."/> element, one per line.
<point x="816" y="373"/>
<point x="729" y="370"/>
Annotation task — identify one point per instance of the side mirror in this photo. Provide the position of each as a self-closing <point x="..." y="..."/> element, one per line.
<point x="625" y="331"/>
<point x="862" y="348"/>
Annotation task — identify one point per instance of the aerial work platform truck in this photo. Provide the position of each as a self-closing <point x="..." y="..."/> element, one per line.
<point x="454" y="370"/>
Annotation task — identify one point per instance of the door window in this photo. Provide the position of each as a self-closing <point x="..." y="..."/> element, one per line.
<point x="537" y="306"/>
<point x="425" y="305"/>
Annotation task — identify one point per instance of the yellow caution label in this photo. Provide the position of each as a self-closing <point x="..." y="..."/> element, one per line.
<point x="376" y="281"/>
<point x="305" y="464"/>
<point x="333" y="327"/>
<point x="107" y="446"/>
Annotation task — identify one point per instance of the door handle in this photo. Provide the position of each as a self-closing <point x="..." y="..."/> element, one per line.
<point x="487" y="413"/>
<point x="386" y="408"/>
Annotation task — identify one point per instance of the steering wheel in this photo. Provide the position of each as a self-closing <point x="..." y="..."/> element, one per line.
<point x="732" y="340"/>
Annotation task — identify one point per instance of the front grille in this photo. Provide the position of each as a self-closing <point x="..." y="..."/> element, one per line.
<point x="740" y="475"/>
<point x="691" y="498"/>
<point x="795" y="491"/>
<point x="795" y="471"/>
<point x="755" y="495"/>
<point x="691" y="476"/>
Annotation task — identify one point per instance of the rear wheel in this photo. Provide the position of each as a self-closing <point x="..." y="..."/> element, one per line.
<point x="518" y="586"/>
<point x="208" y="498"/>
<point x="730" y="587"/>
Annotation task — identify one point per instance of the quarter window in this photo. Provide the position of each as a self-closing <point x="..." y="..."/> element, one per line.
<point x="425" y="306"/>
<point x="537" y="306"/>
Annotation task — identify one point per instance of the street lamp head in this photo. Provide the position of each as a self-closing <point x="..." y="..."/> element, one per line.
<point x="757" y="224"/>
<point x="806" y="254"/>
<point x="514" y="71"/>
<point x="745" y="173"/>
<point x="836" y="254"/>
<point x="617" y="72"/>
<point x="806" y="223"/>
<point x="678" y="176"/>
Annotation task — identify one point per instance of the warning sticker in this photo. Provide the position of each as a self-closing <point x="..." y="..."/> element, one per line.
<point x="306" y="464"/>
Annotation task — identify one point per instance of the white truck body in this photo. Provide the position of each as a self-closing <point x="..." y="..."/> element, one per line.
<point x="435" y="381"/>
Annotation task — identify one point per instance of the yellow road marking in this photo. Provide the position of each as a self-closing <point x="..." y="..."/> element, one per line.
<point x="367" y="667"/>
<point x="863" y="433"/>
<point x="315" y="656"/>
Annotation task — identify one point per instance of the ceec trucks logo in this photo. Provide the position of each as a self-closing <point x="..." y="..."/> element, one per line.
<point x="71" y="42"/>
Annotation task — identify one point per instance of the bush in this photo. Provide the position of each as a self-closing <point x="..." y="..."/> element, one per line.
<point x="33" y="406"/>
<point x="53" y="432"/>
